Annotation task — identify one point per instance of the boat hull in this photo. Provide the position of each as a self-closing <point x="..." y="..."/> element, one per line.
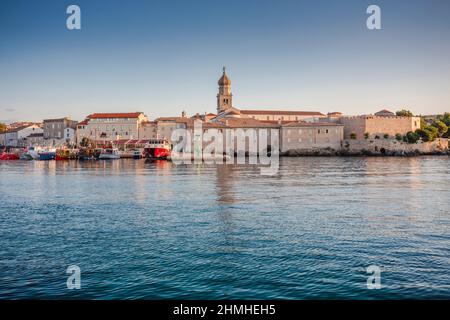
<point x="46" y="156"/>
<point x="157" y="153"/>
<point x="108" y="157"/>
<point x="9" y="156"/>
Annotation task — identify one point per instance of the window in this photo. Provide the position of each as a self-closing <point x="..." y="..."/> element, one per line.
<point x="318" y="131"/>
<point x="326" y="131"/>
<point x="268" y="118"/>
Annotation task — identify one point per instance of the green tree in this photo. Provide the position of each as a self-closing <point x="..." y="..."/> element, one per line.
<point x="430" y="133"/>
<point x="423" y="123"/>
<point x="353" y="136"/>
<point x="404" y="113"/>
<point x="412" y="137"/>
<point x="442" y="128"/>
<point x="398" y="137"/>
<point x="446" y="119"/>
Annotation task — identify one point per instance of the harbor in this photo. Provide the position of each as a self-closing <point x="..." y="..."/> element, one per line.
<point x="156" y="230"/>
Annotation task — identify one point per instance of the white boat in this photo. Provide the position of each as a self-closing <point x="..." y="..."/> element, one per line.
<point x="109" y="154"/>
<point x="126" y="153"/>
<point x="34" y="152"/>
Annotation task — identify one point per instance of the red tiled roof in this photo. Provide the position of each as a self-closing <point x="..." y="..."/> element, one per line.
<point x="114" y="115"/>
<point x="246" y="123"/>
<point x="384" y="111"/>
<point x="83" y="123"/>
<point x="280" y="112"/>
<point x="313" y="124"/>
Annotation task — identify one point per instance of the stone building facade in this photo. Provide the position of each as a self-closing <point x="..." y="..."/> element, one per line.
<point x="280" y="115"/>
<point x="305" y="136"/>
<point x="148" y="130"/>
<point x="378" y="125"/>
<point x="55" y="130"/>
<point x="35" y="139"/>
<point x="17" y="137"/>
<point x="106" y="127"/>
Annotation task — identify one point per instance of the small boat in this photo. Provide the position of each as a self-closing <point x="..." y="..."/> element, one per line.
<point x="137" y="154"/>
<point x="9" y="156"/>
<point x="33" y="153"/>
<point x="157" y="149"/>
<point x="129" y="153"/>
<point x="26" y="156"/>
<point x="47" y="155"/>
<point x="66" y="154"/>
<point x="109" y="154"/>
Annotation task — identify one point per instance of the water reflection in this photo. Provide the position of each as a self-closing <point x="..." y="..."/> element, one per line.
<point x="159" y="230"/>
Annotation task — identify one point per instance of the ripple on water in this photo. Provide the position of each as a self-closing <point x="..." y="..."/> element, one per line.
<point x="161" y="231"/>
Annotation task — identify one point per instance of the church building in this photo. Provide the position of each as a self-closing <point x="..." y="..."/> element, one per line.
<point x="225" y="108"/>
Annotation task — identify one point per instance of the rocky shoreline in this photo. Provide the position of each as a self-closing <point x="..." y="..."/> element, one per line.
<point x="328" y="152"/>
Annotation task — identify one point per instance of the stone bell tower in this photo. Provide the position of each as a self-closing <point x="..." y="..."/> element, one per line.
<point x="224" y="97"/>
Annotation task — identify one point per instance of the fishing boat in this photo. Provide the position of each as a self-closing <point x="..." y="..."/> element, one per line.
<point x="137" y="154"/>
<point x="47" y="155"/>
<point x="26" y="156"/>
<point x="157" y="149"/>
<point x="9" y="156"/>
<point x="33" y="152"/>
<point x="128" y="153"/>
<point x="109" y="154"/>
<point x="66" y="154"/>
<point x="86" y="154"/>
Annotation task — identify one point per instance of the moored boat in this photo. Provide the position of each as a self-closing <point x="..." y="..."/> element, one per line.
<point x="66" y="154"/>
<point x="157" y="149"/>
<point x="26" y="156"/>
<point x="137" y="154"/>
<point x="9" y="156"/>
<point x="109" y="154"/>
<point x="33" y="152"/>
<point x="47" y="155"/>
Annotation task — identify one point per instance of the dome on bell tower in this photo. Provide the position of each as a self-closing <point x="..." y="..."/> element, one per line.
<point x="224" y="80"/>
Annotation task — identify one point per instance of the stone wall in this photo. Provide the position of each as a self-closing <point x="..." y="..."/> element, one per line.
<point x="393" y="147"/>
<point x="311" y="137"/>
<point x="375" y="125"/>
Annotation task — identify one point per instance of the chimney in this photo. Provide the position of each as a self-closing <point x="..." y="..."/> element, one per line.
<point x="183" y="114"/>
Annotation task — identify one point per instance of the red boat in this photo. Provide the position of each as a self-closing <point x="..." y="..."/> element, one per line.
<point x="157" y="149"/>
<point x="9" y="156"/>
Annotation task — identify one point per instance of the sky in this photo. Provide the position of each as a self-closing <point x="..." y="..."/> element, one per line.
<point x="163" y="57"/>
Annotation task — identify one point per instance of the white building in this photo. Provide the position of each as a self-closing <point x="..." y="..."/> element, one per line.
<point x="17" y="137"/>
<point x="106" y="127"/>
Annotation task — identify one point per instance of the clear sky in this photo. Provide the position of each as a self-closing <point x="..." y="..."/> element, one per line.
<point x="162" y="57"/>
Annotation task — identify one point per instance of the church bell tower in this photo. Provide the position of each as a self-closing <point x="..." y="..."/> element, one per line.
<point x="224" y="97"/>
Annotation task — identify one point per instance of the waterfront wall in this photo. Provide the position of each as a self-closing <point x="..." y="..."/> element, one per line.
<point x="376" y="125"/>
<point x="394" y="147"/>
<point x="311" y="137"/>
<point x="375" y="147"/>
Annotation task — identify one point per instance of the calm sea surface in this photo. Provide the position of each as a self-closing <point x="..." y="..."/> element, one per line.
<point x="158" y="231"/>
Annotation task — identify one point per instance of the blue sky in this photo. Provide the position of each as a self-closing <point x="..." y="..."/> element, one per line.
<point x="162" y="57"/>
